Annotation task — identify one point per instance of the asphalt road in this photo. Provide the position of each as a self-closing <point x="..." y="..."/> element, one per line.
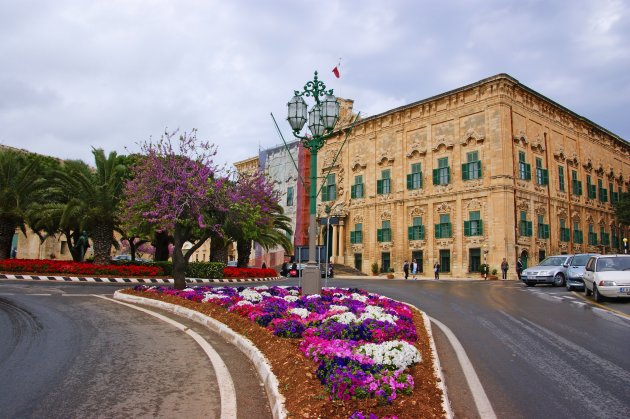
<point x="67" y="354"/>
<point x="538" y="352"/>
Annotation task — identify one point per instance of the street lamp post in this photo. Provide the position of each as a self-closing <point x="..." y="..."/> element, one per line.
<point x="625" y="245"/>
<point x="485" y="262"/>
<point x="321" y="121"/>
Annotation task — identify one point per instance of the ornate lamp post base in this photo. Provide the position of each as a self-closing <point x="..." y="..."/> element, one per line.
<point x="311" y="279"/>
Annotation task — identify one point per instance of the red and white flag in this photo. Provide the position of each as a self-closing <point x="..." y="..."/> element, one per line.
<point x="336" y="69"/>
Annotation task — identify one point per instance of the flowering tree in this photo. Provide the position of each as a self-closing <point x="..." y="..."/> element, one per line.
<point x="170" y="189"/>
<point x="256" y="215"/>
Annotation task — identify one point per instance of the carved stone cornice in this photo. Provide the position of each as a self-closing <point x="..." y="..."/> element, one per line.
<point x="442" y="141"/>
<point x="444" y="242"/>
<point x="538" y="145"/>
<point x="444" y="208"/>
<point x="386" y="245"/>
<point x="577" y="248"/>
<point x="473" y="184"/>
<point x="357" y="248"/>
<point x="417" y="244"/>
<point x="521" y="138"/>
<point x="599" y="170"/>
<point x="563" y="246"/>
<point x="540" y="210"/>
<point x="358" y="219"/>
<point x="559" y="154"/>
<point x="541" y="243"/>
<point x="471" y="136"/>
<point x="475" y="240"/>
<point x="588" y="165"/>
<point x="439" y="189"/>
<point x="416" y="193"/>
<point x="386" y="215"/>
<point x="385" y="159"/>
<point x="358" y="163"/>
<point x="573" y="161"/>
<point x="562" y="213"/>
<point x="416" y="212"/>
<point x="524" y="240"/>
<point x="522" y="205"/>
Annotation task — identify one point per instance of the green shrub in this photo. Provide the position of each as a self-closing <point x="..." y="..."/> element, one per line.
<point x="206" y="270"/>
<point x="375" y="268"/>
<point x="166" y="265"/>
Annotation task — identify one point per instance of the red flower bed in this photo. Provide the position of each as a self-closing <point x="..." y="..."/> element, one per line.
<point x="64" y="267"/>
<point x="230" y="272"/>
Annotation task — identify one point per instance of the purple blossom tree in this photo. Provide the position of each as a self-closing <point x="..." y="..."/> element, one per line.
<point x="170" y="189"/>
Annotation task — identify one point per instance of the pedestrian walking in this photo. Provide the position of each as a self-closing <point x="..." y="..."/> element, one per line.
<point x="414" y="269"/>
<point x="436" y="269"/>
<point x="504" y="268"/>
<point x="406" y="269"/>
<point x="519" y="268"/>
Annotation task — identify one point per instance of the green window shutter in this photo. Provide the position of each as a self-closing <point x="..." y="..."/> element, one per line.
<point x="420" y="232"/>
<point x="528" y="171"/>
<point x="353" y="191"/>
<point x="478" y="170"/>
<point x="448" y="230"/>
<point x="545" y="176"/>
<point x="379" y="187"/>
<point x="325" y="193"/>
<point x="465" y="175"/>
<point x="333" y="192"/>
<point x="379" y="235"/>
<point x="480" y="227"/>
<point x="410" y="181"/>
<point x="545" y="231"/>
<point x="410" y="233"/>
<point x="448" y="175"/>
<point x="466" y="228"/>
<point x="352" y="237"/>
<point x="529" y="228"/>
<point x="438" y="233"/>
<point x="436" y="176"/>
<point x="420" y="180"/>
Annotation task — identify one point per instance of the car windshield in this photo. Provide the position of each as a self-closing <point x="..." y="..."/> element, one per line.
<point x="580" y="260"/>
<point x="553" y="261"/>
<point x="613" y="264"/>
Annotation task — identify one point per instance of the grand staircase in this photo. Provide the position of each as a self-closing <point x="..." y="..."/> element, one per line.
<point x="345" y="270"/>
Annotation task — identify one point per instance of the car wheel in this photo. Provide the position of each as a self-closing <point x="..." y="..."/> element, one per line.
<point x="558" y="280"/>
<point x="587" y="292"/>
<point x="569" y="287"/>
<point x="598" y="297"/>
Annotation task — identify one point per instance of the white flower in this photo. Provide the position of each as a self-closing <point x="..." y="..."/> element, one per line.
<point x="313" y="296"/>
<point x="397" y="353"/>
<point x="244" y="303"/>
<point x="265" y="294"/>
<point x="188" y="289"/>
<point x="251" y="295"/>
<point x="334" y="307"/>
<point x="377" y="313"/>
<point x="345" y="318"/>
<point x="210" y="296"/>
<point x="294" y="292"/>
<point x="359" y="297"/>
<point x="302" y="312"/>
<point x="290" y="298"/>
<point x="261" y="288"/>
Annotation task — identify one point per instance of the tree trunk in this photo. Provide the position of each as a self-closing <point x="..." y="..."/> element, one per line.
<point x="7" y="230"/>
<point x="218" y="250"/>
<point x="71" y="239"/>
<point x="244" y="249"/>
<point x="180" y="262"/>
<point x="161" y="242"/>
<point x="102" y="238"/>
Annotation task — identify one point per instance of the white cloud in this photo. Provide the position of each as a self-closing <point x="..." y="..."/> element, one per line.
<point x="78" y="74"/>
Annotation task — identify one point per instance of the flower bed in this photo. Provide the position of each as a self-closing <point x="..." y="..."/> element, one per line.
<point x="64" y="267"/>
<point x="362" y="345"/>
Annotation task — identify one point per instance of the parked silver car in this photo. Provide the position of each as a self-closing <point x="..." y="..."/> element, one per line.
<point x="607" y="276"/>
<point x="552" y="270"/>
<point x="575" y="273"/>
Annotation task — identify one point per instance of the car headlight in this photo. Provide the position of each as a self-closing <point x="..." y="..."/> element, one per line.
<point x="607" y="283"/>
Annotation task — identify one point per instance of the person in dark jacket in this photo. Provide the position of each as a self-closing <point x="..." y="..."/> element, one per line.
<point x="406" y="269"/>
<point x="504" y="268"/>
<point x="519" y="268"/>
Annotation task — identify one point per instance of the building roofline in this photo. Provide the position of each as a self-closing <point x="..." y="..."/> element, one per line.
<point x="496" y="77"/>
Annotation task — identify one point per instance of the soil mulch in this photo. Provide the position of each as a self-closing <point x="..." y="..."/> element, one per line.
<point x="305" y="396"/>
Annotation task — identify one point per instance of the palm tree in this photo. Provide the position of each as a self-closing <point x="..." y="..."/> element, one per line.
<point x="20" y="183"/>
<point x="276" y="233"/>
<point x="93" y="201"/>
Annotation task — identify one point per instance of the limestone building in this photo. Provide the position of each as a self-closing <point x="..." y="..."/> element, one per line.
<point x="486" y="171"/>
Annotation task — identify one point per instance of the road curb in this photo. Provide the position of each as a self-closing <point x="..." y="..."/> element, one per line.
<point x="138" y="280"/>
<point x="262" y="365"/>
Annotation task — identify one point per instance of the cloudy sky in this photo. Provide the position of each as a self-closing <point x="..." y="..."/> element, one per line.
<point x="77" y="74"/>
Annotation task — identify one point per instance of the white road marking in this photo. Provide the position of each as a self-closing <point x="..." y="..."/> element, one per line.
<point x="227" y="390"/>
<point x="479" y="395"/>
